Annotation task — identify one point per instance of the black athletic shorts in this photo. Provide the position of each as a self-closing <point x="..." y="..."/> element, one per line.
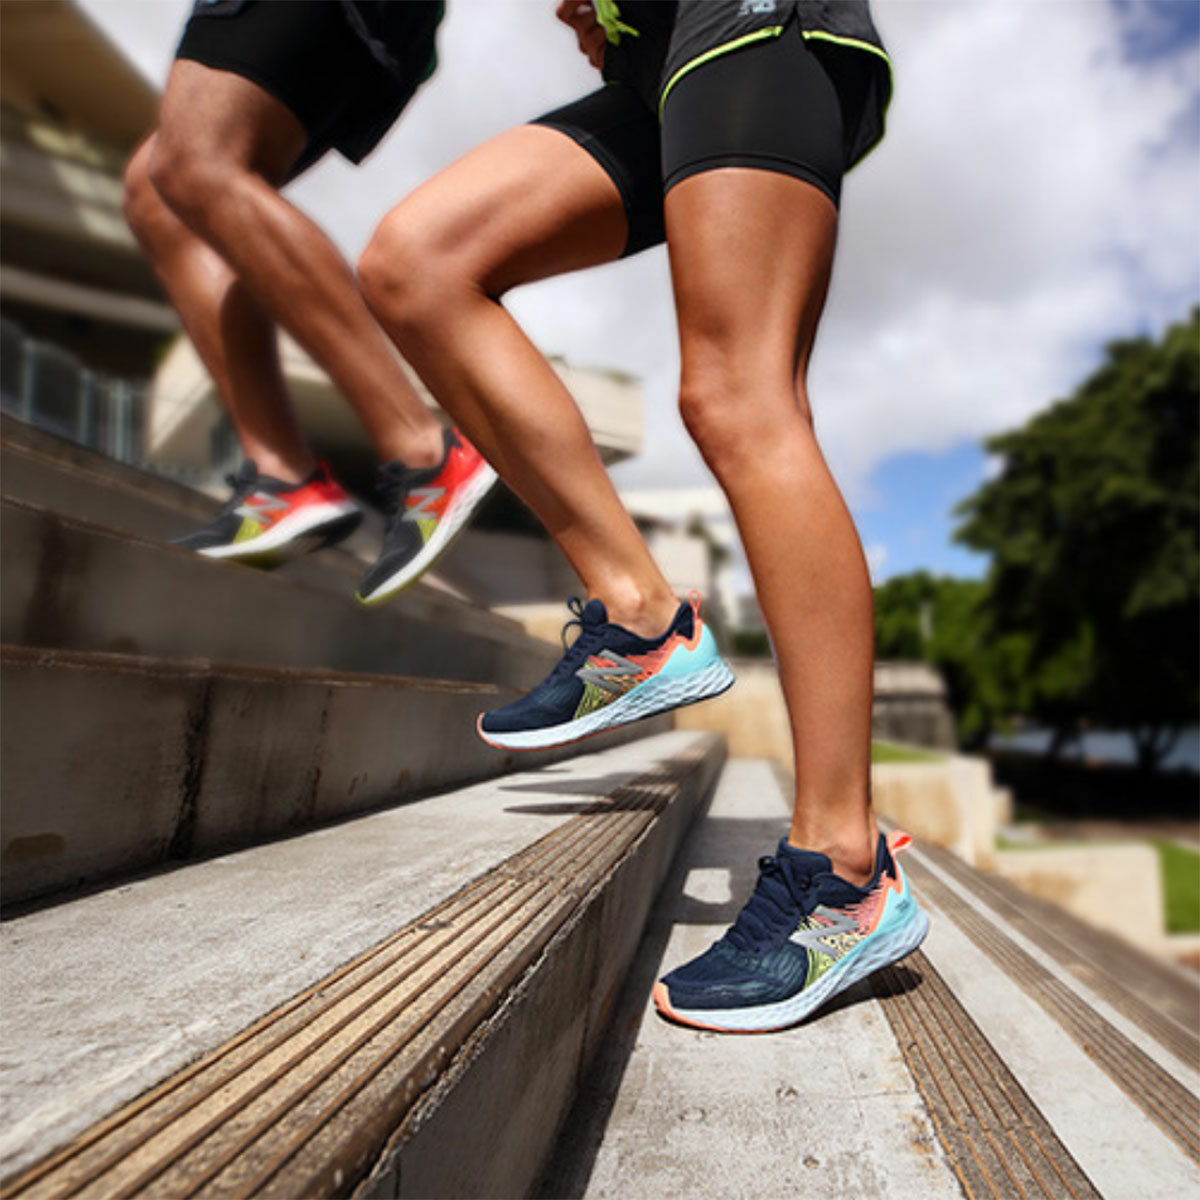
<point x="345" y="68"/>
<point x="783" y="100"/>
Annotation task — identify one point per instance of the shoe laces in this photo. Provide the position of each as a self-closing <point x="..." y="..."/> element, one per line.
<point x="772" y="908"/>
<point x="591" y="635"/>
<point x="394" y="481"/>
<point x="242" y="482"/>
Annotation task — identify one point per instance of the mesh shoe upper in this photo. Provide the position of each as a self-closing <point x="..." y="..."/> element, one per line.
<point x="756" y="962"/>
<point x="557" y="699"/>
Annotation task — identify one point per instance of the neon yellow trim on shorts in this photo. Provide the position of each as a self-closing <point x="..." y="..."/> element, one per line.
<point x="854" y="43"/>
<point x="757" y="36"/>
<point x="716" y="51"/>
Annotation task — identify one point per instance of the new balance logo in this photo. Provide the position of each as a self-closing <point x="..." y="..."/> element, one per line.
<point x="839" y="922"/>
<point x="420" y="501"/>
<point x="616" y="679"/>
<point x="262" y="504"/>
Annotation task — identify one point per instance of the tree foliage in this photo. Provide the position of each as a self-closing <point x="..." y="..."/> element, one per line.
<point x="941" y="621"/>
<point x="1092" y="526"/>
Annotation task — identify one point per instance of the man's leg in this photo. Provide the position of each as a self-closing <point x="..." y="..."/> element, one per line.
<point x="223" y="147"/>
<point x="527" y="205"/>
<point x="232" y="334"/>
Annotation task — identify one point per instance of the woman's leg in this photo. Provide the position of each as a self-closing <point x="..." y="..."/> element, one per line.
<point x="527" y="205"/>
<point x="749" y="293"/>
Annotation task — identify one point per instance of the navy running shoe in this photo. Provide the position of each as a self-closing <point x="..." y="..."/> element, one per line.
<point x="610" y="676"/>
<point x="805" y="935"/>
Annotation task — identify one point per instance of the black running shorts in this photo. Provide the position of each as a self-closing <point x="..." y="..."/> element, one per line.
<point x="345" y="70"/>
<point x="787" y="102"/>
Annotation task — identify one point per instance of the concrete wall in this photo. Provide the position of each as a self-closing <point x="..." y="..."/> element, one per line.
<point x="910" y="706"/>
<point x="1117" y="888"/>
<point x="952" y="803"/>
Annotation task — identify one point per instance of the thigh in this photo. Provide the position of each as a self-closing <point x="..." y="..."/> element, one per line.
<point x="217" y="120"/>
<point x="526" y="205"/>
<point x="621" y="132"/>
<point x="751" y="253"/>
<point x="267" y="81"/>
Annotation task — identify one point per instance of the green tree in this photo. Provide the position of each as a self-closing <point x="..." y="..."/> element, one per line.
<point x="1092" y="525"/>
<point x="940" y="620"/>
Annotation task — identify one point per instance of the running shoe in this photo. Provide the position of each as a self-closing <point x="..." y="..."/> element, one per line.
<point x="266" y="521"/>
<point x="610" y="676"/>
<point x="426" y="509"/>
<point x="805" y="935"/>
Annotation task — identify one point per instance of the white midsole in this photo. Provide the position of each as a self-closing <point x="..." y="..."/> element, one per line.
<point x="291" y="526"/>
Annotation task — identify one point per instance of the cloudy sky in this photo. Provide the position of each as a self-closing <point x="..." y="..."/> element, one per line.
<point x="1036" y="197"/>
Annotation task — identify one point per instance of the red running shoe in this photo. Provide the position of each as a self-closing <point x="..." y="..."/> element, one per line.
<point x="427" y="509"/>
<point x="266" y="521"/>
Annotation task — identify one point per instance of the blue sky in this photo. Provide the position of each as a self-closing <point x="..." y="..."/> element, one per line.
<point x="906" y="520"/>
<point x="1034" y="199"/>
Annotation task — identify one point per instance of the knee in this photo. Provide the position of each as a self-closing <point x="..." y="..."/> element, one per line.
<point x="740" y="420"/>
<point x="718" y="423"/>
<point x="405" y="277"/>
<point x="140" y="202"/>
<point x="186" y="178"/>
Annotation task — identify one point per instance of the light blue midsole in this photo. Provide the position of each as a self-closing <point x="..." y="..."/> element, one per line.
<point x="900" y="931"/>
<point x="661" y="693"/>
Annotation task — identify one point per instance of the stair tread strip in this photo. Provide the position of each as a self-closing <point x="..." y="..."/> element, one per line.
<point x="1157" y="997"/>
<point x="337" y="1066"/>
<point x="996" y="1138"/>
<point x="1170" y="1104"/>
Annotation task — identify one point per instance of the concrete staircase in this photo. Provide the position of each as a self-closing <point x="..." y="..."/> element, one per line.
<point x="424" y="985"/>
<point x="158" y="705"/>
<point x="279" y="924"/>
<point x="429" y="917"/>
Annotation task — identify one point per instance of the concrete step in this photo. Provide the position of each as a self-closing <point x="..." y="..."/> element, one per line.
<point x="63" y="478"/>
<point x="76" y="585"/>
<point x="989" y="1064"/>
<point x="115" y="763"/>
<point x="71" y="479"/>
<point x="435" y="979"/>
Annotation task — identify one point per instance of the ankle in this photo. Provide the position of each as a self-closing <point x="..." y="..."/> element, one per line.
<point x="851" y="851"/>
<point x="287" y="469"/>
<point x="417" y="446"/>
<point x="646" y="612"/>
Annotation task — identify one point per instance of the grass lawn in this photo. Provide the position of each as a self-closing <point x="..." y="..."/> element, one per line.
<point x="1181" y="885"/>
<point x="885" y="752"/>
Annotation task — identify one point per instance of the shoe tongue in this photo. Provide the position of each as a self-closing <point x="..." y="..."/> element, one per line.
<point x="594" y="613"/>
<point x="801" y="866"/>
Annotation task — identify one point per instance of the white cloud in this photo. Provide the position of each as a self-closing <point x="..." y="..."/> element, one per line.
<point x="1029" y="204"/>
<point x="1033" y="199"/>
<point x="877" y="556"/>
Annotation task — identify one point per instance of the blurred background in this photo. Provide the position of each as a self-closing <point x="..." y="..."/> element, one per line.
<point x="1006" y="383"/>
